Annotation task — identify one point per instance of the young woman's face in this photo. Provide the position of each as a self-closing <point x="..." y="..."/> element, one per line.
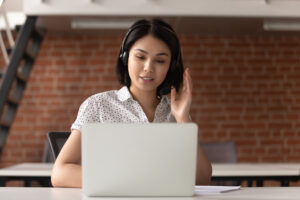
<point x="148" y="63"/>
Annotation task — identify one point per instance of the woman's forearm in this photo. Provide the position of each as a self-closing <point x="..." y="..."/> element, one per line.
<point x="204" y="169"/>
<point x="66" y="175"/>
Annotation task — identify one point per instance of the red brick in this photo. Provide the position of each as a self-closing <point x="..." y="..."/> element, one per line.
<point x="279" y="125"/>
<point x="233" y="126"/>
<point x="271" y="142"/>
<point x="293" y="142"/>
<point x="246" y="89"/>
<point x="258" y="125"/>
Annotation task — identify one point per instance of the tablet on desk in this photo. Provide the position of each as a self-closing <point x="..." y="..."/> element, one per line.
<point x="155" y="159"/>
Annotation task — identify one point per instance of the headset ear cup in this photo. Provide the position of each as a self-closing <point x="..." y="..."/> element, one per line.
<point x="124" y="58"/>
<point x="177" y="74"/>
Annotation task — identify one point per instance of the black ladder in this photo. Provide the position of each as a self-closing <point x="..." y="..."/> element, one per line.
<point x="16" y="75"/>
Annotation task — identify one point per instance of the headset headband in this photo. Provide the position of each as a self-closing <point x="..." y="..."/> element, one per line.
<point x="144" y="24"/>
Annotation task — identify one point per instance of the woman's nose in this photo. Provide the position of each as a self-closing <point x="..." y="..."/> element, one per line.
<point x="148" y="67"/>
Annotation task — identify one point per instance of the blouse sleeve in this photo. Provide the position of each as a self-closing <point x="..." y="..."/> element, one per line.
<point x="88" y="113"/>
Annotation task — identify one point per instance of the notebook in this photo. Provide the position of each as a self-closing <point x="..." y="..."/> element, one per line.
<point x="211" y="189"/>
<point x="154" y="159"/>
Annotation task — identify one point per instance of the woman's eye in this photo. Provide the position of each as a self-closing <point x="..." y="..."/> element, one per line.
<point x="160" y="61"/>
<point x="141" y="57"/>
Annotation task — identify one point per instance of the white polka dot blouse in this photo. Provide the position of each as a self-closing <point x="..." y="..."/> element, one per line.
<point x="118" y="106"/>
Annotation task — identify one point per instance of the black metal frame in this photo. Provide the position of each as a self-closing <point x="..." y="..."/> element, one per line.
<point x="26" y="48"/>
<point x="44" y="181"/>
<point x="284" y="180"/>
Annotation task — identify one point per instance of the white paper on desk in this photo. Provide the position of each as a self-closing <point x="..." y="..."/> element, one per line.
<point x="207" y="189"/>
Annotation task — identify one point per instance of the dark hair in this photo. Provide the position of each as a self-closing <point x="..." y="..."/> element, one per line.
<point x="162" y="31"/>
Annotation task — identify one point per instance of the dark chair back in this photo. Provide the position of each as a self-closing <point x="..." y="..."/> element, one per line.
<point x="220" y="152"/>
<point x="47" y="154"/>
<point x="57" y="141"/>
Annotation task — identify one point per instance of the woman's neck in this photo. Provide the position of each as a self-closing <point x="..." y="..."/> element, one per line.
<point x="147" y="99"/>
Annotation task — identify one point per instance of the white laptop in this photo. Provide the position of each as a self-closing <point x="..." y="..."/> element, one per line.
<point x="155" y="159"/>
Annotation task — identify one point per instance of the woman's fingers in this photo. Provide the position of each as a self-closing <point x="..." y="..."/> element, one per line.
<point x="184" y="83"/>
<point x="186" y="88"/>
<point x="173" y="94"/>
<point x="189" y="78"/>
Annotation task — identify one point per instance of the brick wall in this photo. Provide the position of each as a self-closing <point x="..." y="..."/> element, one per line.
<point x="246" y="89"/>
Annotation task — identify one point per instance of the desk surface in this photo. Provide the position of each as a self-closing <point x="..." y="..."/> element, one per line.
<point x="28" y="169"/>
<point x="223" y="170"/>
<point x="256" y="169"/>
<point x="274" y="193"/>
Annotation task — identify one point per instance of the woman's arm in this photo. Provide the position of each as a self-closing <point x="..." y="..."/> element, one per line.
<point x="204" y="169"/>
<point x="180" y="107"/>
<point x="181" y="101"/>
<point x="66" y="171"/>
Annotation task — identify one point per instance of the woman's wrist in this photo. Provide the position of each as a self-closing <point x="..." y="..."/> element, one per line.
<point x="185" y="119"/>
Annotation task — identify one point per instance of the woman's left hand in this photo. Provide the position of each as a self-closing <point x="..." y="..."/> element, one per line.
<point x="181" y="100"/>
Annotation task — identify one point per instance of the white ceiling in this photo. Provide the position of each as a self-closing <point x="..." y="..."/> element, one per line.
<point x="13" y="5"/>
<point x="199" y="25"/>
<point x="212" y="16"/>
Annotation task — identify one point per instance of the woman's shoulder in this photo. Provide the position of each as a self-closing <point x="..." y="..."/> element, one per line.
<point x="102" y="95"/>
<point x="110" y="95"/>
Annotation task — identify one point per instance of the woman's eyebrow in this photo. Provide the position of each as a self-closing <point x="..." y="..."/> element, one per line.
<point x="162" y="54"/>
<point x="159" y="54"/>
<point x="141" y="50"/>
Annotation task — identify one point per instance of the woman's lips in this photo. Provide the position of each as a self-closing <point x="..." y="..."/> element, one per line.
<point x="147" y="79"/>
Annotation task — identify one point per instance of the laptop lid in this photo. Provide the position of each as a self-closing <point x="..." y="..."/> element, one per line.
<point x="155" y="159"/>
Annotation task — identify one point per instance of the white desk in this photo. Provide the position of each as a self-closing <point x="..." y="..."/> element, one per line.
<point x="256" y="169"/>
<point x="26" y="172"/>
<point x="283" y="172"/>
<point x="265" y="193"/>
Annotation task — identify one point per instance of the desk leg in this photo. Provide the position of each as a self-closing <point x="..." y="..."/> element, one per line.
<point x="250" y="183"/>
<point x="2" y="182"/>
<point x="27" y="183"/>
<point x="259" y="183"/>
<point x="285" y="183"/>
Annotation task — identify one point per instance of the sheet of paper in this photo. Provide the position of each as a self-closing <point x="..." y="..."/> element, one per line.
<point x="214" y="189"/>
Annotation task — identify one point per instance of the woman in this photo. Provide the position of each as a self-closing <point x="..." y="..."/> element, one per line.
<point x="149" y="67"/>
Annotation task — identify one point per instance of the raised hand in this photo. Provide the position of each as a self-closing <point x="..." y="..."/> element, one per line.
<point x="181" y="100"/>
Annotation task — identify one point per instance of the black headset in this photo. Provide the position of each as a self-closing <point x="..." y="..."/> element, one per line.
<point x="124" y="54"/>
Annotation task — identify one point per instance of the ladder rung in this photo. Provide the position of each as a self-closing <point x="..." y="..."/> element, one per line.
<point x="28" y="56"/>
<point x="17" y="92"/>
<point x="21" y="77"/>
<point x="9" y="114"/>
<point x="13" y="100"/>
<point x="23" y="72"/>
<point x="9" y="50"/>
<point x="18" y="28"/>
<point x="3" y="135"/>
<point x="5" y="124"/>
<point x="38" y="33"/>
